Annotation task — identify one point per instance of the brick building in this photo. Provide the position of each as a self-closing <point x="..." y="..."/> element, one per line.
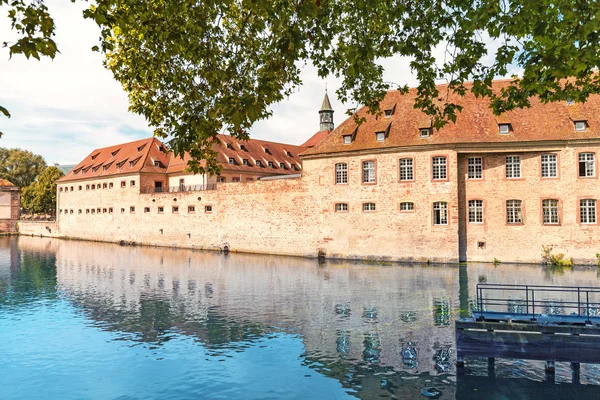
<point x="392" y="188"/>
<point x="10" y="206"/>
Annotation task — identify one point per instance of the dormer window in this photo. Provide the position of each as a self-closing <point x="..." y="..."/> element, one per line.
<point x="245" y="161"/>
<point x="347" y="139"/>
<point x="158" y="164"/>
<point x="271" y="164"/>
<point x="570" y="101"/>
<point x="425" y="132"/>
<point x="267" y="151"/>
<point x="114" y="153"/>
<point x="231" y="160"/>
<point x="282" y="165"/>
<point x="293" y="166"/>
<point x="388" y="113"/>
<point x="289" y="154"/>
<point x="242" y="147"/>
<point x="258" y="163"/>
<point x="504" y="129"/>
<point x="94" y="156"/>
<point x="133" y="162"/>
<point x="94" y="169"/>
<point x="162" y="149"/>
<point x="580" y="126"/>
<point x="141" y="147"/>
<point x="380" y="136"/>
<point x="229" y="146"/>
<point x="105" y="167"/>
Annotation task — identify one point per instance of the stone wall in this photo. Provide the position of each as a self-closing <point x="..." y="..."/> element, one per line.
<point x="38" y="228"/>
<point x="298" y="216"/>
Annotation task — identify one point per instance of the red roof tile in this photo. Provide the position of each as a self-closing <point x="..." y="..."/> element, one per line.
<point x="126" y="158"/>
<point x="474" y="124"/>
<point x="315" y="139"/>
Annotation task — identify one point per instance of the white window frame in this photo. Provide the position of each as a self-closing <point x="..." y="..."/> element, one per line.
<point x="475" y="168"/>
<point x="424" y="132"/>
<point x="407" y="172"/>
<point x="341" y="173"/>
<point x="347" y="139"/>
<point x="368" y="171"/>
<point x="475" y="211"/>
<point x="440" y="213"/>
<point x="341" y="207"/>
<point x="587" y="211"/>
<point x="380" y="136"/>
<point x="439" y="168"/>
<point x="514" y="212"/>
<point x="550" y="212"/>
<point x="504" y="129"/>
<point x="549" y="164"/>
<point x="369" y="207"/>
<point x="407" y="206"/>
<point x="580" y="126"/>
<point x="513" y="167"/>
<point x="586" y="162"/>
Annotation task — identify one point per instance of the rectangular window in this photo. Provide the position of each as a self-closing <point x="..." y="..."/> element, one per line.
<point x="87" y="187"/>
<point x="347" y="139"/>
<point x="406" y="169"/>
<point x="282" y="165"/>
<point x="132" y="183"/>
<point x="131" y="209"/>
<point x="438" y="165"/>
<point x="122" y="211"/>
<point x="104" y="210"/>
<point x="271" y="164"/>
<point x="369" y="207"/>
<point x="476" y="211"/>
<point x="587" y="211"/>
<point x="475" y="167"/>
<point x="208" y="209"/>
<point x="587" y="165"/>
<point x="440" y="213"/>
<point x="161" y="210"/>
<point x="104" y="186"/>
<point x="380" y="136"/>
<point x="513" y="166"/>
<point x="368" y="171"/>
<point x="191" y="209"/>
<point x="514" y="212"/>
<point x="341" y="207"/>
<point x="504" y="129"/>
<point x="110" y="210"/>
<point x="123" y="184"/>
<point x="175" y="210"/>
<point x="550" y="212"/>
<point x="80" y="187"/>
<point x="245" y="161"/>
<point x="79" y="211"/>
<point x="222" y="179"/>
<point x="549" y="165"/>
<point x="231" y="160"/>
<point x="580" y="126"/>
<point x="425" y="132"/>
<point x="87" y="210"/>
<point x="258" y="163"/>
<point x="407" y="206"/>
<point x="341" y="173"/>
<point x="235" y="179"/>
<point x="146" y="209"/>
<point x="110" y="185"/>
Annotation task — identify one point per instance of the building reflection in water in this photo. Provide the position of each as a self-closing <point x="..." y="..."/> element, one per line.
<point x="150" y="294"/>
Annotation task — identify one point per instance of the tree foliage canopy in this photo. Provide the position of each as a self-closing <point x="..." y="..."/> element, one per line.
<point x="40" y="196"/>
<point x="20" y="167"/>
<point x="198" y="68"/>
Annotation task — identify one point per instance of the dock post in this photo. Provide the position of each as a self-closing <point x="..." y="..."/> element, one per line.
<point x="491" y="367"/>
<point x="550" y="371"/>
<point x="575" y="372"/>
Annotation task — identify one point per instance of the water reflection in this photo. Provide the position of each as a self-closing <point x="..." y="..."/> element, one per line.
<point x="399" y="340"/>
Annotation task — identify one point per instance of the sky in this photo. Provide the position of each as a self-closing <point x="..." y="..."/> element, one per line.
<point x="67" y="107"/>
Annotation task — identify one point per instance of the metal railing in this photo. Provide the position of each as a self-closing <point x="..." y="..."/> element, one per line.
<point x="180" y="188"/>
<point x="536" y="300"/>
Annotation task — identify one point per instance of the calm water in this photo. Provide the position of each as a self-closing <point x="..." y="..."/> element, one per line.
<point x="85" y="320"/>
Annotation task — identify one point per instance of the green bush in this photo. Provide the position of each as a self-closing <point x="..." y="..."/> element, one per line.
<point x="555" y="260"/>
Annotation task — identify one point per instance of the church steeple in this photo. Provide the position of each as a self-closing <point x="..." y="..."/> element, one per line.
<point x="326" y="114"/>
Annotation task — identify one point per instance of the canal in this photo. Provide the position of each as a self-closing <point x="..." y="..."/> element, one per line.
<point x="83" y="320"/>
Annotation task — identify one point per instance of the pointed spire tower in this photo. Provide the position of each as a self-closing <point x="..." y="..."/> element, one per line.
<point x="326" y="114"/>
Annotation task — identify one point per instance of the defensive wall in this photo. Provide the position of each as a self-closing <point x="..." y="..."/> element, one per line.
<point x="298" y="216"/>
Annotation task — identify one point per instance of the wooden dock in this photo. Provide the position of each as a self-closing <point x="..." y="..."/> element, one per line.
<point x="532" y="323"/>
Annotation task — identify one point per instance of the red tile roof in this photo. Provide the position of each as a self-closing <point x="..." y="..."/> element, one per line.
<point x="126" y="158"/>
<point x="5" y="183"/>
<point x="315" y="139"/>
<point x="251" y="150"/>
<point x="475" y="123"/>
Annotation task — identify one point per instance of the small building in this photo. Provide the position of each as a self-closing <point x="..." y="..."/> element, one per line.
<point x="10" y="205"/>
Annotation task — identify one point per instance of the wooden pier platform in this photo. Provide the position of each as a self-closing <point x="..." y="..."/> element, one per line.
<point x="544" y="323"/>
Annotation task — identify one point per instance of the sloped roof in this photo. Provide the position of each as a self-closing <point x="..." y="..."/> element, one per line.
<point x="315" y="139"/>
<point x="254" y="150"/>
<point x="6" y="183"/>
<point x="326" y="105"/>
<point x="474" y="124"/>
<point x="126" y="158"/>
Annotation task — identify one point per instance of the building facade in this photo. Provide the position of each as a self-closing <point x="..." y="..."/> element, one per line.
<point x="10" y="206"/>
<point x="393" y="188"/>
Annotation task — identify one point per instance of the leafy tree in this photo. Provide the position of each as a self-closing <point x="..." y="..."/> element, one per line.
<point x="20" y="167"/>
<point x="40" y="196"/>
<point x="197" y="68"/>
